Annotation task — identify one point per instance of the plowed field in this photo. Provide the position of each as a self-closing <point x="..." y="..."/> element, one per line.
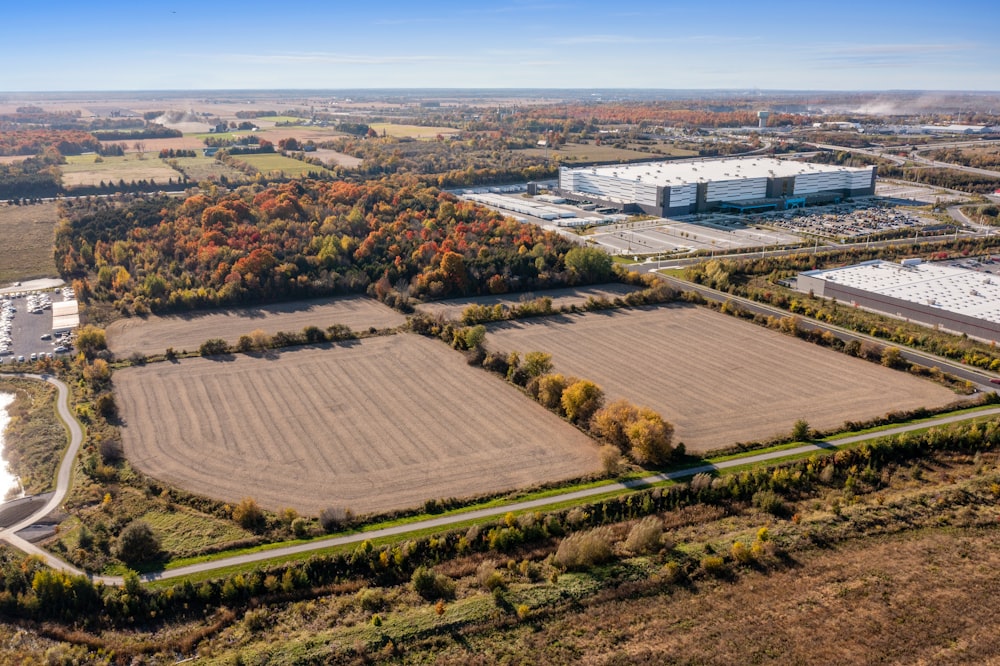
<point x="152" y="335"/>
<point x="454" y="307"/>
<point x="384" y="423"/>
<point x="719" y="380"/>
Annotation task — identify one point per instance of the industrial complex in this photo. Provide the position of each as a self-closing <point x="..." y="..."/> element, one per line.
<point x="955" y="298"/>
<point x="749" y="184"/>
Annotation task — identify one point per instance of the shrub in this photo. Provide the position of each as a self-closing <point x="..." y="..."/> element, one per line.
<point x="713" y="565"/>
<point x="582" y="550"/>
<point x="611" y="460"/>
<point x="488" y="577"/>
<point x="801" y="431"/>
<point x="370" y="600"/>
<point x="137" y="544"/>
<point x="213" y="347"/>
<point x="770" y="502"/>
<point x="332" y="518"/>
<point x="431" y="586"/>
<point x="248" y="514"/>
<point x="645" y="536"/>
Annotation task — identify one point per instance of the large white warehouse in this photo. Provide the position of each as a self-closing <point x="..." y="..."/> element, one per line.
<point x="749" y="183"/>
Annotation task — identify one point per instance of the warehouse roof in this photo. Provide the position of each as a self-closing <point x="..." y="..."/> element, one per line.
<point x="951" y="288"/>
<point x="679" y="173"/>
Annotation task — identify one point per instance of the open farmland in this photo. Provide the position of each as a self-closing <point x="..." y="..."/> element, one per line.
<point x="267" y="163"/>
<point x="202" y="168"/>
<point x="82" y="170"/>
<point x="383" y="423"/>
<point x="453" y="308"/>
<point x="412" y="131"/>
<point x="26" y="237"/>
<point x="153" y="334"/>
<point x="719" y="380"/>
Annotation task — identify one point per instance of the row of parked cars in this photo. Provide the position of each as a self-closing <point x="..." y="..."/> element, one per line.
<point x="34" y="303"/>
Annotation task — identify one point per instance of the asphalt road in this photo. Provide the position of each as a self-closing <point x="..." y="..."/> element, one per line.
<point x="9" y="534"/>
<point x="976" y="376"/>
<point x="76" y="434"/>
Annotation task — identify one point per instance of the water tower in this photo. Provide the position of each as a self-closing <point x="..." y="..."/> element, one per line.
<point x="762" y="119"/>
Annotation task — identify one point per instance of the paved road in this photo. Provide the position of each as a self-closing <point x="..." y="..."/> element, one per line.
<point x="975" y="375"/>
<point x="9" y="534"/>
<point x="445" y="521"/>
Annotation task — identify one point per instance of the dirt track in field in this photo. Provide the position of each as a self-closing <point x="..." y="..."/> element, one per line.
<point x="379" y="424"/>
<point x="453" y="308"/>
<point x="717" y="379"/>
<point x="152" y="335"/>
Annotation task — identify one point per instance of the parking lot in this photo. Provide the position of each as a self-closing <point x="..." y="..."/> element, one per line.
<point x="24" y="320"/>
<point x="850" y="221"/>
<point x="714" y="233"/>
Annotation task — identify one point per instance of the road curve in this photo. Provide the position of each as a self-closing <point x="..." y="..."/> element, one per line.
<point x="9" y="534"/>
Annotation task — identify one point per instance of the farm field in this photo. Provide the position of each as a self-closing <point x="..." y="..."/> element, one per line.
<point x="26" y="237"/>
<point x="153" y="334"/>
<point x="269" y="162"/>
<point x="334" y="157"/>
<point x="154" y="146"/>
<point x="719" y="380"/>
<point x="202" y="168"/>
<point x="379" y="424"/>
<point x="81" y="170"/>
<point x="412" y="131"/>
<point x="453" y="308"/>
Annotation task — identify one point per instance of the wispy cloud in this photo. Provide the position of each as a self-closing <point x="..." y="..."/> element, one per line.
<point x="574" y="40"/>
<point x="886" y="55"/>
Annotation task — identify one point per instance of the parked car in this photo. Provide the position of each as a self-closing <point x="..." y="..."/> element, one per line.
<point x="46" y="336"/>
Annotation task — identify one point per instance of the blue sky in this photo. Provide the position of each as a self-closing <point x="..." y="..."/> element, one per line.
<point x="220" y="44"/>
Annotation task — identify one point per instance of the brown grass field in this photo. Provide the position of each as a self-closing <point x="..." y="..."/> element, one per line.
<point x="384" y="423"/>
<point x="26" y="237"/>
<point x="82" y="170"/>
<point x="719" y="380"/>
<point x="153" y="334"/>
<point x="453" y="308"/>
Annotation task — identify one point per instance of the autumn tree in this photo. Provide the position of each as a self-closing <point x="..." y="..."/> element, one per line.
<point x="90" y="340"/>
<point x="248" y="514"/>
<point x="638" y="431"/>
<point x="549" y="390"/>
<point x="537" y="363"/>
<point x="580" y="400"/>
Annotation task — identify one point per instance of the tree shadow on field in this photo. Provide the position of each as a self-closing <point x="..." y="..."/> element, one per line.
<point x="222" y="358"/>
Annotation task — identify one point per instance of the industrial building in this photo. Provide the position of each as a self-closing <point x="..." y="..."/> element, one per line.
<point x="957" y="299"/>
<point x="748" y="184"/>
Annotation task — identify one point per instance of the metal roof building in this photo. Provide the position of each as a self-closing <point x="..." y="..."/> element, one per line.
<point x="954" y="298"/>
<point x="679" y="188"/>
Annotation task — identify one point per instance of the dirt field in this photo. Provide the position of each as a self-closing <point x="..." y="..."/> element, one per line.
<point x="26" y="237"/>
<point x="152" y="335"/>
<point x="332" y="157"/>
<point x="384" y="423"/>
<point x="717" y="379"/>
<point x="82" y="170"/>
<point x="453" y="308"/>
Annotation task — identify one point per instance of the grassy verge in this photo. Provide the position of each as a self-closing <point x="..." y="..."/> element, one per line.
<point x="556" y="505"/>
<point x="35" y="437"/>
